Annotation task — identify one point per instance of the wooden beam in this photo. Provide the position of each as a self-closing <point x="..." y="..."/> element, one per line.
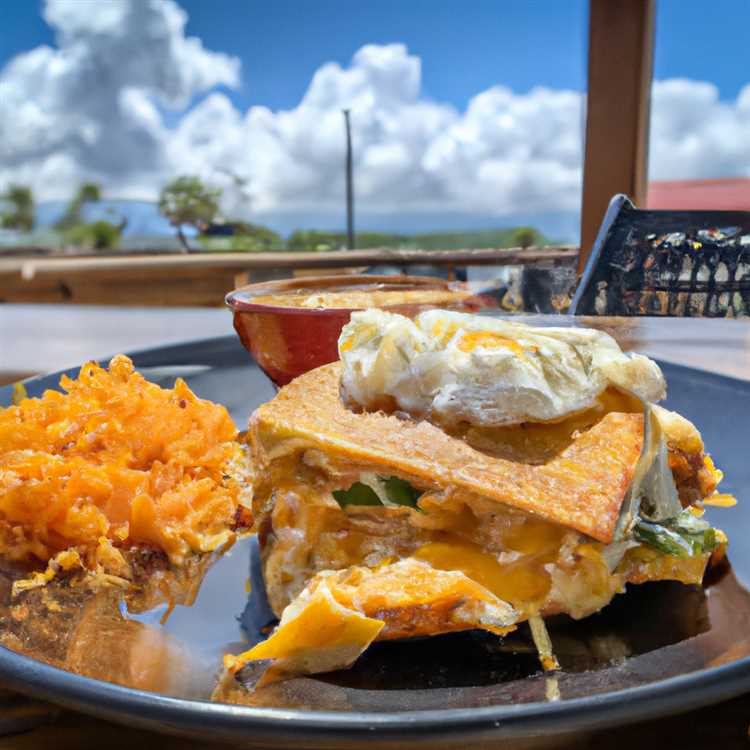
<point x="204" y="279"/>
<point x="236" y="262"/>
<point x="620" y="67"/>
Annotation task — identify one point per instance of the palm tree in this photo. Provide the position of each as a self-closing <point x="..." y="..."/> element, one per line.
<point x="21" y="214"/>
<point x="88" y="192"/>
<point x="186" y="200"/>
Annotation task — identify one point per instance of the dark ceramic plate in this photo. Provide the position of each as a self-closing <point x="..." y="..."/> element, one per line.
<point x="659" y="649"/>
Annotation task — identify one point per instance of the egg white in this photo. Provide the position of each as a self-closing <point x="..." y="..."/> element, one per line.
<point x="454" y="367"/>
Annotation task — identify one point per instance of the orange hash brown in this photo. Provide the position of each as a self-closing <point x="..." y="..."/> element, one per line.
<point x="117" y="464"/>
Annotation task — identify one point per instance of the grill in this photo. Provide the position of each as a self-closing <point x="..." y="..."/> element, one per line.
<point x="667" y="263"/>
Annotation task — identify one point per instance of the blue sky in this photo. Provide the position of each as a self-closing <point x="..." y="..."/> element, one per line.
<point x="466" y="46"/>
<point x="124" y="95"/>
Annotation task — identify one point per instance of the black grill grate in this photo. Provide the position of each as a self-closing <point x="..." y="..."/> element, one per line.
<point x="667" y="263"/>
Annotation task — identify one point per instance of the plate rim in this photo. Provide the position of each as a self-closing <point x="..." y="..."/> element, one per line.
<point x="264" y="725"/>
<point x="172" y="714"/>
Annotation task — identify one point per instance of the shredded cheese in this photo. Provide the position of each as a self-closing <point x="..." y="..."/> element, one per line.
<point x="720" y="500"/>
<point x="543" y="644"/>
<point x="113" y="462"/>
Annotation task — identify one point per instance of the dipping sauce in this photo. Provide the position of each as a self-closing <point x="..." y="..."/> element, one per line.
<point x="293" y="325"/>
<point x="354" y="299"/>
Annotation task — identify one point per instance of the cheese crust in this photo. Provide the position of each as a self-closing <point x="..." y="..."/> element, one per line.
<point x="582" y="487"/>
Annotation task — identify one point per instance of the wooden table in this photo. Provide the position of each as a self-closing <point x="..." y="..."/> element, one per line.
<point x="721" y="346"/>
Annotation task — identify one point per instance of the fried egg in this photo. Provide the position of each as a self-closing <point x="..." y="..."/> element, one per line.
<point x="452" y="367"/>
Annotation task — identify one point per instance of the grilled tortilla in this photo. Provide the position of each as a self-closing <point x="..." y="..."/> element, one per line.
<point x="375" y="526"/>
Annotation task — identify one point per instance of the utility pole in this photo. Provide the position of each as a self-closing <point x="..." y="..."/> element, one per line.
<point x="349" y="184"/>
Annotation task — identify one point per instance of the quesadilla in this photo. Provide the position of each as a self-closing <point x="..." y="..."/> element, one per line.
<point x="456" y="472"/>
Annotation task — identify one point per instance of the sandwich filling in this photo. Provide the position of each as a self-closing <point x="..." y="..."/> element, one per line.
<point x="410" y="490"/>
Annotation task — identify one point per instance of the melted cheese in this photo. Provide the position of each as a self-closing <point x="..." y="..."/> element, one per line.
<point x="523" y="582"/>
<point x="449" y="586"/>
<point x="316" y="634"/>
<point x="339" y="614"/>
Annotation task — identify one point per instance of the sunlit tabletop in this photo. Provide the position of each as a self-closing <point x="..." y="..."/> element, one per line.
<point x="45" y="338"/>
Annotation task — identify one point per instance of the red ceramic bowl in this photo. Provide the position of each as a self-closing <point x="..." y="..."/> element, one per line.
<point x="293" y="325"/>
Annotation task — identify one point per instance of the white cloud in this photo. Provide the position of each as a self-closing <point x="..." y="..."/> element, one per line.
<point x="88" y="107"/>
<point x="91" y="108"/>
<point x="695" y="134"/>
<point x="411" y="154"/>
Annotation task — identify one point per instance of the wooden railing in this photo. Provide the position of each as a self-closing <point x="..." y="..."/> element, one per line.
<point x="204" y="279"/>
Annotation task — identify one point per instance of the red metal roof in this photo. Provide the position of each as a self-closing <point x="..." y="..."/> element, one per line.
<point x="730" y="193"/>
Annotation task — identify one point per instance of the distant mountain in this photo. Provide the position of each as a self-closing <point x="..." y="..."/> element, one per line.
<point x="512" y="237"/>
<point x="559" y="226"/>
<point x="433" y="230"/>
<point x="477" y="239"/>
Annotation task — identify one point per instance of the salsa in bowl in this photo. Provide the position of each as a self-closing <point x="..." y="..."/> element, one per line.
<point x="291" y="326"/>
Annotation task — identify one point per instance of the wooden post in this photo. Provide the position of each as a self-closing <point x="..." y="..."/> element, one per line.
<point x="349" y="184"/>
<point x="621" y="47"/>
